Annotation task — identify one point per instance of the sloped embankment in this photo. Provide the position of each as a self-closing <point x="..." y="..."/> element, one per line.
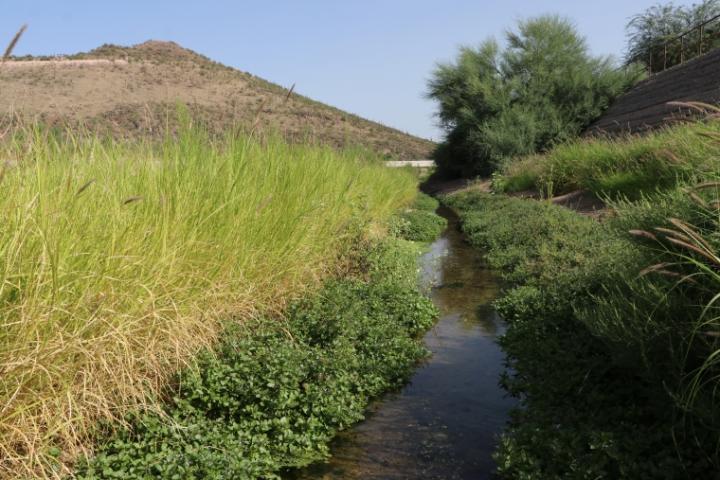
<point x="119" y="261"/>
<point x="647" y="105"/>
<point x="277" y="391"/>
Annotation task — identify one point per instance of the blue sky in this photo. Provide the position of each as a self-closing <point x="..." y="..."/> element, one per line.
<point x="369" y="57"/>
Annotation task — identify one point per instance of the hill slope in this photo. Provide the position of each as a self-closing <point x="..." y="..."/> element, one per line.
<point x="134" y="90"/>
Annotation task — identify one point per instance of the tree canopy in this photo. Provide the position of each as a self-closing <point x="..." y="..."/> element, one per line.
<point x="542" y="88"/>
<point x="648" y="32"/>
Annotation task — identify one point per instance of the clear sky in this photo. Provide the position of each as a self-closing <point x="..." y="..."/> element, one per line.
<point x="370" y="57"/>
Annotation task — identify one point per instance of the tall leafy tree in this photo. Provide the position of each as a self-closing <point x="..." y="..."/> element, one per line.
<point x="648" y="33"/>
<point x="544" y="87"/>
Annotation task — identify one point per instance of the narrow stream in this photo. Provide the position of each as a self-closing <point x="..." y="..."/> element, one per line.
<point x="444" y="423"/>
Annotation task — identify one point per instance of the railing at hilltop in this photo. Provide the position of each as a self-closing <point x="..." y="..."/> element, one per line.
<point x="694" y="42"/>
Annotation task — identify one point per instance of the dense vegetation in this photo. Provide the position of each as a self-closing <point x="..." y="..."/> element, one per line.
<point x="419" y="223"/>
<point x="613" y="336"/>
<point x="649" y="31"/>
<point x="542" y="89"/>
<point x="120" y="261"/>
<point x="276" y="392"/>
<point x="613" y="341"/>
<point x="619" y="167"/>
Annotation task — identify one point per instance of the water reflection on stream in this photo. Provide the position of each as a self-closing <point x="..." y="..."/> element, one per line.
<point x="444" y="423"/>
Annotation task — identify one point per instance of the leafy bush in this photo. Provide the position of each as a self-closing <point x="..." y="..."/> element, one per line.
<point x="544" y="88"/>
<point x="392" y="261"/>
<point x="419" y="226"/>
<point x="275" y="393"/>
<point x="523" y="180"/>
<point x="599" y="354"/>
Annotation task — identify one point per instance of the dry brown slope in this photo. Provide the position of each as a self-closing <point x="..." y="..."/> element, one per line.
<point x="138" y="90"/>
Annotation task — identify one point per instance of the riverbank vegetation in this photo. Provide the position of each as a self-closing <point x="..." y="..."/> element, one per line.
<point x="419" y="223"/>
<point x="612" y="341"/>
<point x="120" y="261"/>
<point x="275" y="392"/>
<point x="613" y="338"/>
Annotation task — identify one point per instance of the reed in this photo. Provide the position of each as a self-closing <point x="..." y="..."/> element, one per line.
<point x="13" y="43"/>
<point x="696" y="265"/>
<point x="119" y="261"/>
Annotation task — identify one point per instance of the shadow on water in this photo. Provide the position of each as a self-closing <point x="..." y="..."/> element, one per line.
<point x="444" y="423"/>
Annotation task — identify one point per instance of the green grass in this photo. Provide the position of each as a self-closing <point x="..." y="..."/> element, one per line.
<point x="611" y="341"/>
<point x="120" y="261"/>
<point x="628" y="166"/>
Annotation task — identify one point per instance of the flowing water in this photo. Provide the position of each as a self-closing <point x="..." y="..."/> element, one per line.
<point x="444" y="423"/>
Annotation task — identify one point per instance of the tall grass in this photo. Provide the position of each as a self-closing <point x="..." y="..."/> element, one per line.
<point x="624" y="166"/>
<point x="119" y="261"/>
<point x="693" y="261"/>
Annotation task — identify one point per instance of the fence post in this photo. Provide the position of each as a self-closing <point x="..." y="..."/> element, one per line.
<point x="700" y="39"/>
<point x="682" y="48"/>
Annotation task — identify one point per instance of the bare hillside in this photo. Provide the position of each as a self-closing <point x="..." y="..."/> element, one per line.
<point x="135" y="90"/>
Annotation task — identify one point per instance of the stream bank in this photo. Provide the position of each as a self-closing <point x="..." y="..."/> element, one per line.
<point x="444" y="423"/>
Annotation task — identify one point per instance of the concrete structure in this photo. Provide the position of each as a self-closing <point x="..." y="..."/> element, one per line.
<point x="411" y="163"/>
<point x="647" y="106"/>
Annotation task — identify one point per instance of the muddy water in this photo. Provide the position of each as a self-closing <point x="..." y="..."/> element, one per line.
<point x="444" y="423"/>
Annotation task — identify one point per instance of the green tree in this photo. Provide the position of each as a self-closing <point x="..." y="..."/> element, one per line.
<point x="649" y="31"/>
<point x="543" y="88"/>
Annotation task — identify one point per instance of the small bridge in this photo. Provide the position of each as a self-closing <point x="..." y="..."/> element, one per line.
<point x="411" y="163"/>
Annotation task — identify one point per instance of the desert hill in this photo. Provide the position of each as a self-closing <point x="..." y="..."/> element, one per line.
<point x="135" y="90"/>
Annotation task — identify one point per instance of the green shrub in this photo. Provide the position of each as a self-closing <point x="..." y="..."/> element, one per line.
<point x="393" y="261"/>
<point x="522" y="181"/>
<point x="275" y="392"/>
<point x="419" y="226"/>
<point x="420" y="223"/>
